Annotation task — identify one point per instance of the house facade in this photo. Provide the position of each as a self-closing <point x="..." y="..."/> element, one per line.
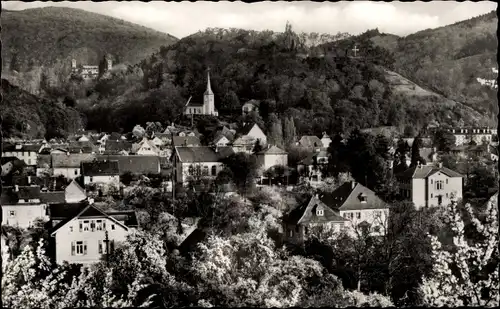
<point x="477" y="135"/>
<point x="429" y="185"/>
<point x="22" y="205"/>
<point x="101" y="172"/>
<point x="83" y="234"/>
<point x="315" y="216"/>
<point x="310" y="168"/>
<point x="310" y="142"/>
<point x="193" y="163"/>
<point x="69" y="165"/>
<point x="326" y="140"/>
<point x="27" y="153"/>
<point x="145" y="147"/>
<point x="250" y="106"/>
<point x="272" y="156"/>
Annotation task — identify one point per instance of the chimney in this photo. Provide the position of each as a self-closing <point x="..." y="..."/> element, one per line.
<point x="29" y="180"/>
<point x="353" y="184"/>
<point x="90" y="200"/>
<point x="16" y="188"/>
<point x="440" y="164"/>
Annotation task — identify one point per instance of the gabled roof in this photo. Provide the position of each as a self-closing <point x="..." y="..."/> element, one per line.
<point x="144" y="141"/>
<point x="135" y="164"/>
<point x="186" y="141"/>
<point x="424" y="171"/>
<point x="247" y="128"/>
<point x="306" y="213"/>
<point x="70" y="161"/>
<point x="200" y="154"/>
<point x="80" y="210"/>
<point x="9" y="147"/>
<point x="272" y="150"/>
<point x="100" y="168"/>
<point x="29" y="192"/>
<point x="113" y="147"/>
<point x="54" y="197"/>
<point x="310" y="141"/>
<point x="244" y="140"/>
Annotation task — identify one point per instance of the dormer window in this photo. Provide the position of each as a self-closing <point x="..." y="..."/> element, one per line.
<point x="320" y="212"/>
<point x="362" y="198"/>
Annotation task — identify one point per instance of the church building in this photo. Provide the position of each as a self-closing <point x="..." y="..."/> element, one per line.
<point x="205" y="108"/>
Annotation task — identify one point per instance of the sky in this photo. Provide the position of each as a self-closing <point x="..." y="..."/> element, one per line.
<point x="181" y="19"/>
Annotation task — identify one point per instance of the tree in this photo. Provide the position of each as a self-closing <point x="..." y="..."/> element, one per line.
<point x="138" y="131"/>
<point x="337" y="157"/>
<point x="289" y="132"/>
<point x="415" y="152"/>
<point x="480" y="184"/>
<point x="244" y="170"/>
<point x="257" y="147"/>
<point x="275" y="136"/>
<point x="443" y="140"/>
<point x="467" y="273"/>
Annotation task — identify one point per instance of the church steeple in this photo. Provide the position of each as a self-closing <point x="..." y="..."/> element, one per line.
<point x="209" y="89"/>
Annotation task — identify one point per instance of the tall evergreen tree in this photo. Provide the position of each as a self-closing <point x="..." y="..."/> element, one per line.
<point x="289" y="131"/>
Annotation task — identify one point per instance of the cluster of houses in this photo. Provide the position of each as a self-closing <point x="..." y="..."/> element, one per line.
<point x="59" y="175"/>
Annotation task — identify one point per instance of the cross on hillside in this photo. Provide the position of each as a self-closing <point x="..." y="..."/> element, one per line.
<point x="355" y="50"/>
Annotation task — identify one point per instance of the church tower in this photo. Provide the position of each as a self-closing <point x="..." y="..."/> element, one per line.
<point x="208" y="98"/>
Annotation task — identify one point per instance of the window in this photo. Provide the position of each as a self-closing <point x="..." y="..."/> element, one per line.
<point x="112" y="226"/>
<point x="111" y="246"/>
<point x="439" y="185"/>
<point x="358" y="215"/>
<point x="91" y="179"/>
<point x="431" y="195"/>
<point x="431" y="182"/>
<point x="319" y="212"/>
<point x="79" y="248"/>
<point x="378" y="213"/>
<point x="81" y="225"/>
<point x="205" y="171"/>
<point x="76" y="172"/>
<point x="102" y="246"/>
<point x="92" y="225"/>
<point x="12" y="213"/>
<point x="446" y="194"/>
<point x="214" y="170"/>
<point x="71" y="229"/>
<point x="362" y="198"/>
<point x="190" y="170"/>
<point x="446" y="181"/>
<point x="86" y="225"/>
<point x="99" y="225"/>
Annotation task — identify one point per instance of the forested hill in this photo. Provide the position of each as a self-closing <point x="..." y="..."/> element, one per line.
<point x="321" y="87"/>
<point x="448" y="60"/>
<point x="28" y="116"/>
<point x="50" y="37"/>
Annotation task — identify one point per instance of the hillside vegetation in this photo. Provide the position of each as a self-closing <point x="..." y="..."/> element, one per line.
<point x="320" y="88"/>
<point x="447" y="60"/>
<point x="28" y="116"/>
<point x="46" y="39"/>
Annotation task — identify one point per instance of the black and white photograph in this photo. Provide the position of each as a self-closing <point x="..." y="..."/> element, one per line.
<point x="249" y="154"/>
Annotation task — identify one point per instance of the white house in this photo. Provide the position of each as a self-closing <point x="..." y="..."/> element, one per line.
<point x="145" y="147"/>
<point x="83" y="233"/>
<point x="310" y="168"/>
<point x="429" y="185"/>
<point x="21" y="206"/>
<point x="101" y="172"/>
<point x="272" y="156"/>
<point x="478" y="135"/>
<point x="248" y="136"/>
<point x="192" y="163"/>
<point x="221" y="141"/>
<point x="326" y="140"/>
<point x="68" y="165"/>
<point x="250" y="106"/>
<point x="74" y="193"/>
<point x="27" y="153"/>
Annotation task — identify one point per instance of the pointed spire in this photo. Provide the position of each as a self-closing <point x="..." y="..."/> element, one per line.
<point x="209" y="89"/>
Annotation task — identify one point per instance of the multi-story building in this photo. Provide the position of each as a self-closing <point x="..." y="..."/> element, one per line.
<point x="22" y="205"/>
<point x="477" y="135"/>
<point x="101" y="172"/>
<point x="193" y="163"/>
<point x="26" y="152"/>
<point x="83" y="233"/>
<point x="430" y="185"/>
<point x="69" y="165"/>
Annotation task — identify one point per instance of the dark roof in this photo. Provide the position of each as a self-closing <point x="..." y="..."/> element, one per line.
<point x="247" y="127"/>
<point x="23" y="147"/>
<point x="23" y="180"/>
<point x="4" y="160"/>
<point x="100" y="168"/>
<point x="70" y="161"/>
<point x="65" y="210"/>
<point x="55" y="197"/>
<point x="272" y="150"/>
<point x="129" y="217"/>
<point x="307" y="213"/>
<point x="114" y="136"/>
<point x="114" y="147"/>
<point x="310" y="141"/>
<point x="194" y="104"/>
<point x="425" y="171"/>
<point x="353" y="200"/>
<point x="186" y="141"/>
<point x="11" y="197"/>
<point x="202" y="154"/>
<point x="29" y="192"/>
<point x="135" y="164"/>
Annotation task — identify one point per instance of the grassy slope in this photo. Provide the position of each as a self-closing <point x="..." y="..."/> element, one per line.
<point x="448" y="59"/>
<point x="43" y="36"/>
